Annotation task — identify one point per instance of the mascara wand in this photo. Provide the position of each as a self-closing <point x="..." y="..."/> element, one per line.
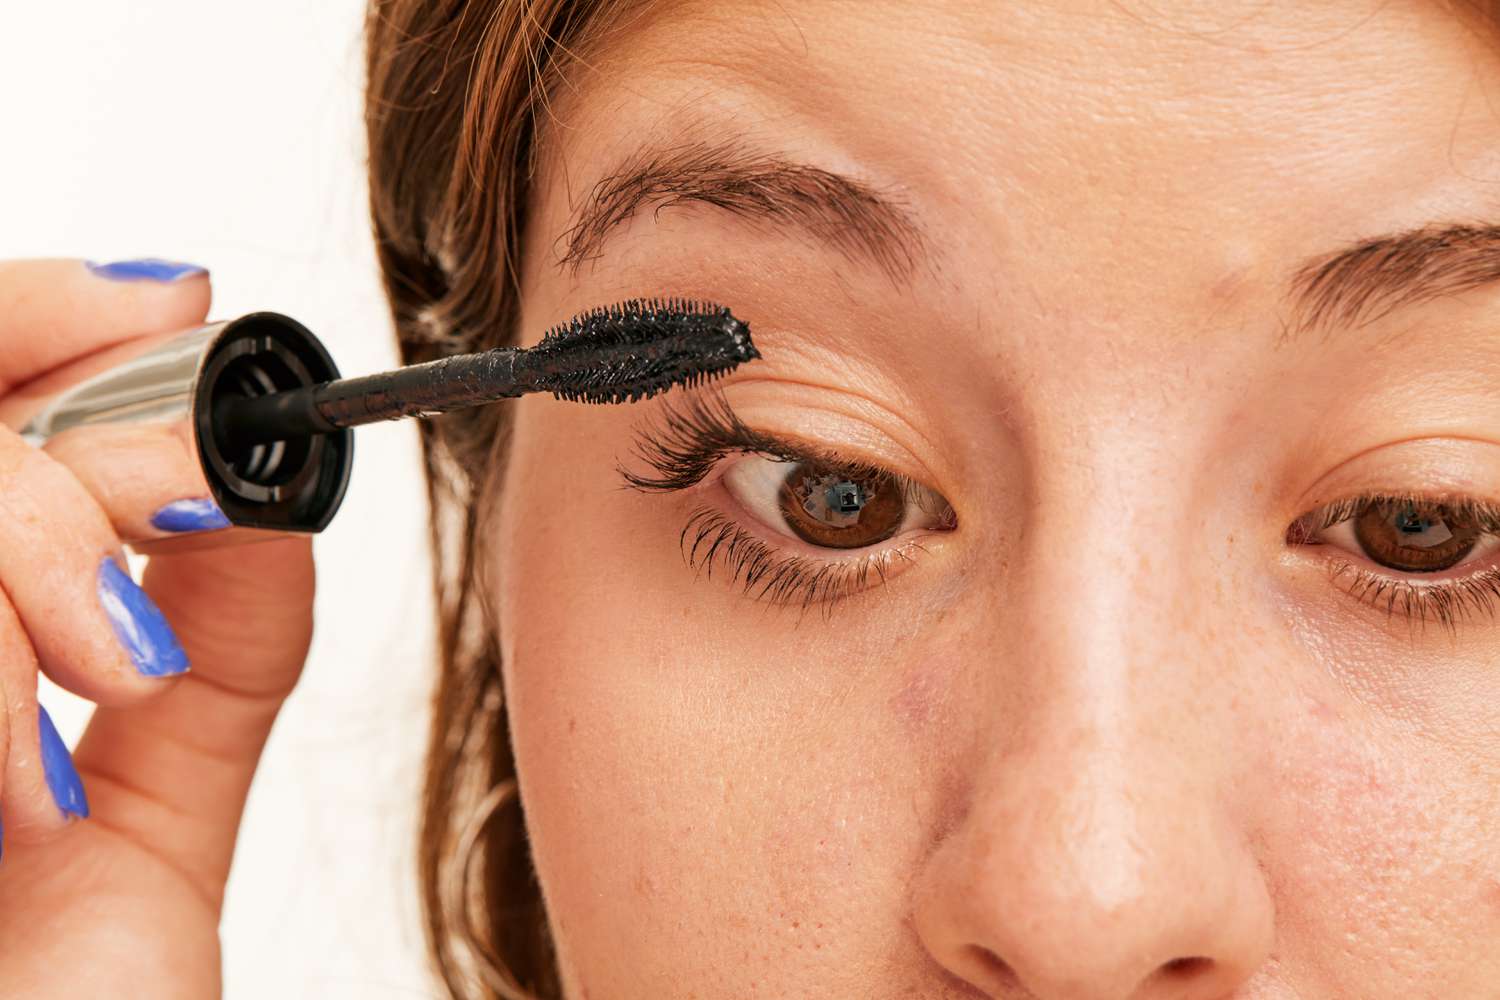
<point x="270" y="419"/>
<point x="626" y="352"/>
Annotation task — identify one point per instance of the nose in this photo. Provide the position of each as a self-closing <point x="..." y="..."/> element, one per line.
<point x="1092" y="853"/>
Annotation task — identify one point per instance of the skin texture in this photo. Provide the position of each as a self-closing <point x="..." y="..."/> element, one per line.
<point x="1113" y="737"/>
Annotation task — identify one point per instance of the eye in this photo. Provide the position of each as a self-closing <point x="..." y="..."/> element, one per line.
<point x="831" y="507"/>
<point x="795" y="489"/>
<point x="1406" y="535"/>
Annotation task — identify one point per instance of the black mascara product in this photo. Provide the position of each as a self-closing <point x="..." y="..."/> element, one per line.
<point x="261" y="398"/>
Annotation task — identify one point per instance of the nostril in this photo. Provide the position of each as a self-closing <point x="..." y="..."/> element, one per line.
<point x="996" y="974"/>
<point x="1182" y="968"/>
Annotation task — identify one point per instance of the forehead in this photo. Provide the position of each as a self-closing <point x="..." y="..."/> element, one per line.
<point x="1181" y="152"/>
<point x="1004" y="94"/>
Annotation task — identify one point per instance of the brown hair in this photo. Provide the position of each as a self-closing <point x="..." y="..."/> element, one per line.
<point x="454" y="90"/>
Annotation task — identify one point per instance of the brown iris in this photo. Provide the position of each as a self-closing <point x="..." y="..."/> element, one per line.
<point x="1414" y="537"/>
<point x="828" y="507"/>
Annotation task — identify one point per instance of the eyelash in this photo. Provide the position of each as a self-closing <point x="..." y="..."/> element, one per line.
<point x="1448" y="601"/>
<point x="782" y="578"/>
<point x="693" y="437"/>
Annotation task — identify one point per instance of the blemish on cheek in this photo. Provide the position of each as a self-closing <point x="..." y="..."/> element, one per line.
<point x="1321" y="711"/>
<point x="1489" y="894"/>
<point x="643" y="885"/>
<point x="913" y="703"/>
<point x="1226" y="287"/>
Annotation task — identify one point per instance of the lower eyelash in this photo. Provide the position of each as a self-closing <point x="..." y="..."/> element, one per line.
<point x="775" y="577"/>
<point x="1446" y="603"/>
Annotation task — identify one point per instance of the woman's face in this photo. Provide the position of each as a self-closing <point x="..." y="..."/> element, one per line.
<point x="1089" y="709"/>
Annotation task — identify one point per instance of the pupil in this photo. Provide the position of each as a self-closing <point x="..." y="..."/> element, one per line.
<point x="846" y="497"/>
<point x="1411" y="523"/>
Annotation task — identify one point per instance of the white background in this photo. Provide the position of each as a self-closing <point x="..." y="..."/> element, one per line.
<point x="229" y="135"/>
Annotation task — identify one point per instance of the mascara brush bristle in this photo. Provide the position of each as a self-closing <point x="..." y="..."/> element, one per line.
<point x="635" y="349"/>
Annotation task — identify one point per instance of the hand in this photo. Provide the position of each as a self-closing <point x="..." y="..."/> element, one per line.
<point x="125" y="902"/>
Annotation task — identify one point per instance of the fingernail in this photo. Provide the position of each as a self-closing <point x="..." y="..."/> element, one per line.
<point x="190" y="515"/>
<point x="139" y="624"/>
<point x="145" y="269"/>
<point x="57" y="765"/>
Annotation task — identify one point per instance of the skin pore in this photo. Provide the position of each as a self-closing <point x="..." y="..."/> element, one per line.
<point x="1113" y="735"/>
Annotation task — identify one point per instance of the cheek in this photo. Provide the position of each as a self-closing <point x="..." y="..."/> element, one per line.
<point x="1384" y="848"/>
<point x="691" y="762"/>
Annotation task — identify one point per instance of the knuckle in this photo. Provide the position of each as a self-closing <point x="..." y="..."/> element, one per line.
<point x="31" y="484"/>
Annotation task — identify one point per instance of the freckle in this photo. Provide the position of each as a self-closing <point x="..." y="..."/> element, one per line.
<point x="572" y="723"/>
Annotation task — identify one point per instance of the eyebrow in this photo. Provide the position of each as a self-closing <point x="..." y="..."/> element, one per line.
<point x="847" y="214"/>
<point x="1349" y="287"/>
<point x="1373" y="277"/>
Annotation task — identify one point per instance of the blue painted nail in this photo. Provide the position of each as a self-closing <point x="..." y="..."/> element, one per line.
<point x="139" y="624"/>
<point x="190" y="515"/>
<point x="62" y="776"/>
<point x="145" y="269"/>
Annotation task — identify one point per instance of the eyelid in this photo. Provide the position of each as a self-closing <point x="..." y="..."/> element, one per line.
<point x="864" y="426"/>
<point x="686" y="438"/>
<point x="1485" y="513"/>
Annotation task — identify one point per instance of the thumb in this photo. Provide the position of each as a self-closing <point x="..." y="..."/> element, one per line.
<point x="173" y="773"/>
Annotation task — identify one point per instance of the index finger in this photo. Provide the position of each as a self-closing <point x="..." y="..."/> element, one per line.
<point x="55" y="310"/>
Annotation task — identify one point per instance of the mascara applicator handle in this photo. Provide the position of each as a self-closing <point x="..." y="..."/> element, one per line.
<point x="415" y="390"/>
<point x="241" y="422"/>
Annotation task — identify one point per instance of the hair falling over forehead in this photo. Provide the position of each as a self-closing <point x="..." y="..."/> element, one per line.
<point x="454" y="91"/>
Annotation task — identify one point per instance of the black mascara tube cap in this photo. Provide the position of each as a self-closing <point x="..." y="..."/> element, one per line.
<point x="294" y="485"/>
